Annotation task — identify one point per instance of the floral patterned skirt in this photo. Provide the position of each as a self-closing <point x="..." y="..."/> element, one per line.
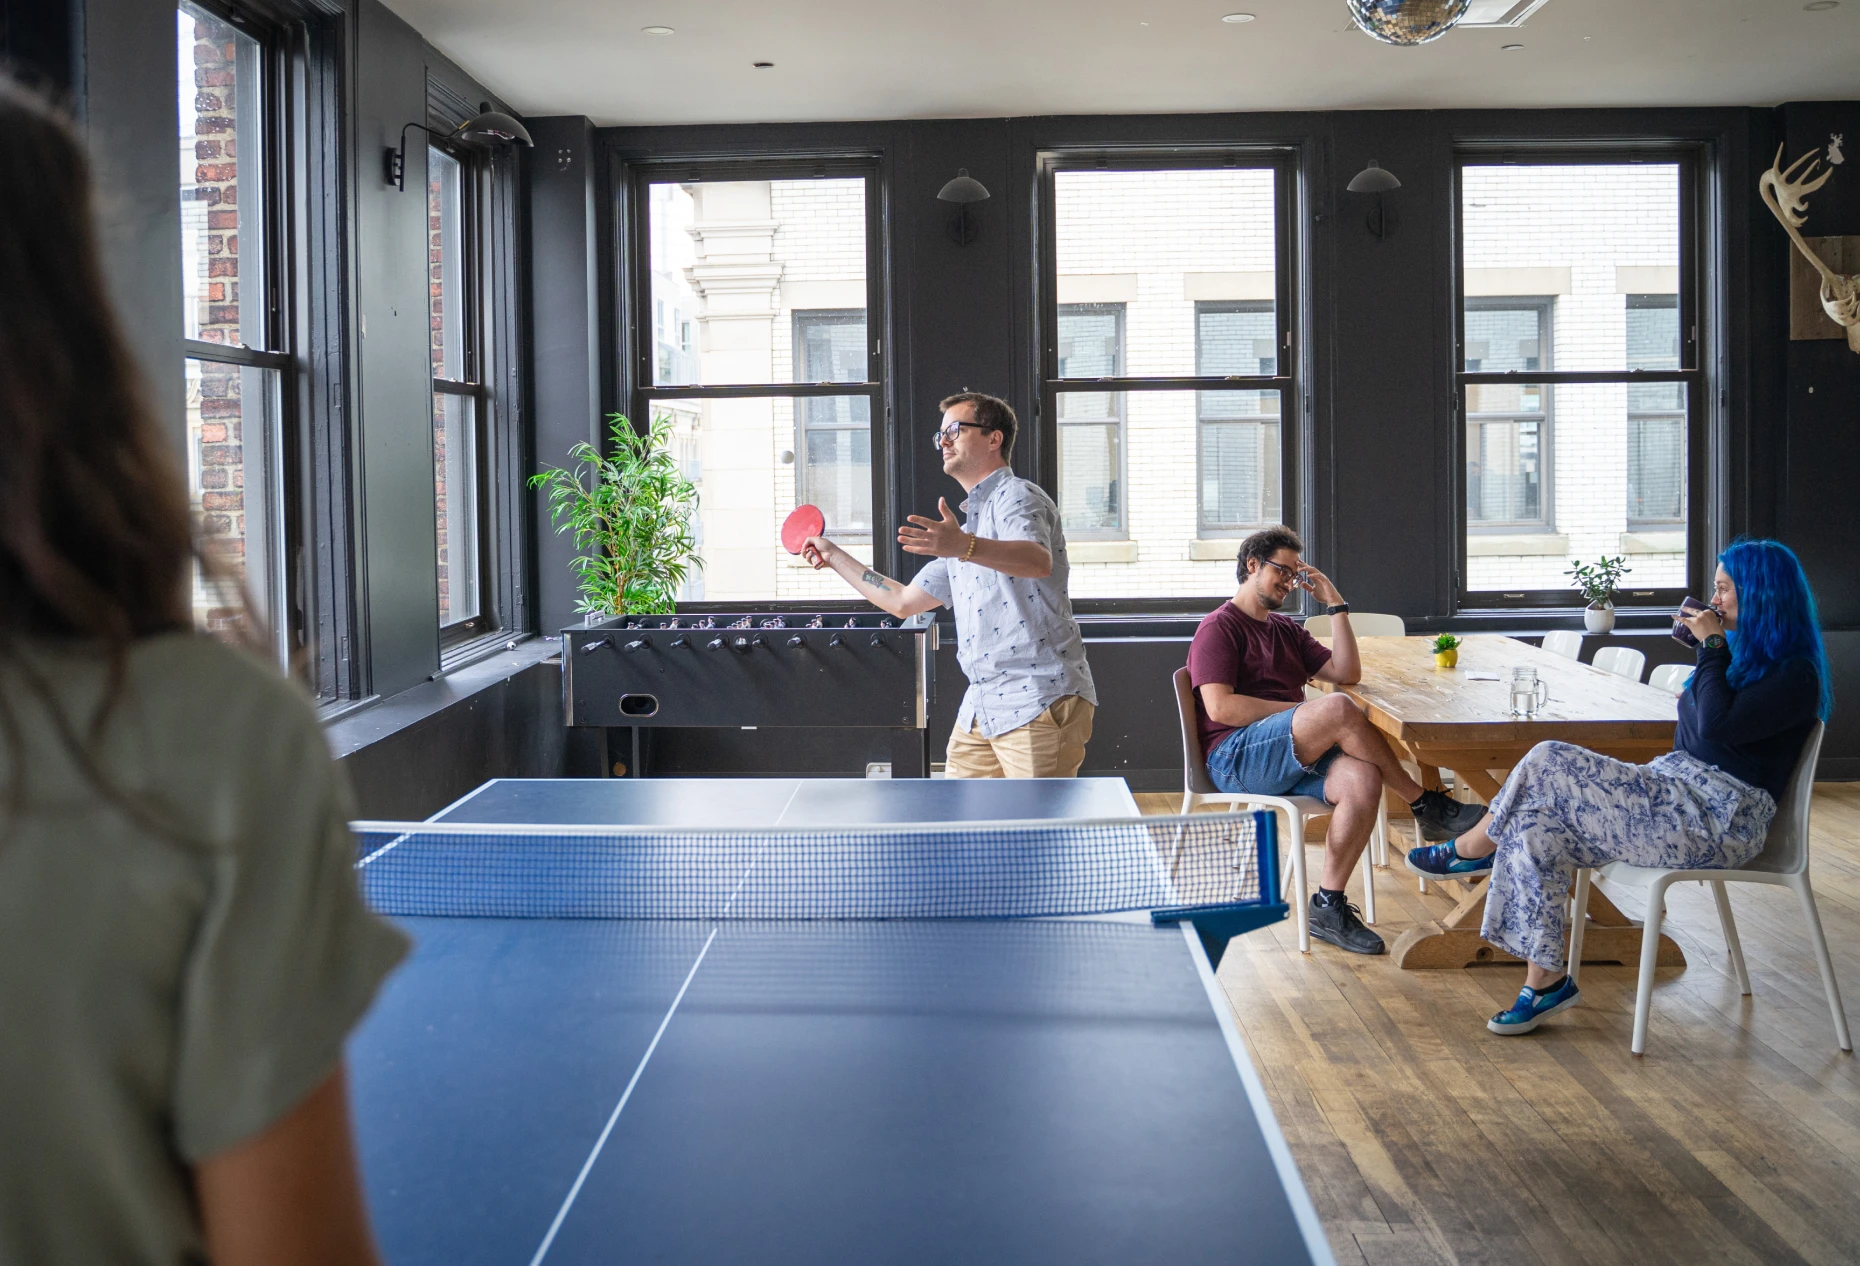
<point x="1566" y="807"/>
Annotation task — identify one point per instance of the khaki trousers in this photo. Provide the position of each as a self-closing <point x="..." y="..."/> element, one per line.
<point x="1052" y="745"/>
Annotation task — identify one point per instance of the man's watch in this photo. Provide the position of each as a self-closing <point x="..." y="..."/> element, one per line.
<point x="1337" y="608"/>
<point x="1713" y="642"/>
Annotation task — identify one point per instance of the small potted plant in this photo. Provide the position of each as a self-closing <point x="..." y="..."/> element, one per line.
<point x="1446" y="651"/>
<point x="1598" y="582"/>
<point x="632" y="513"/>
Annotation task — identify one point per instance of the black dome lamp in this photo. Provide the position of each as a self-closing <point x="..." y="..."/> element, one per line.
<point x="486" y="128"/>
<point x="963" y="190"/>
<point x="1377" y="180"/>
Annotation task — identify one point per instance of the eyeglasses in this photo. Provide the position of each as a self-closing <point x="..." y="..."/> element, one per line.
<point x="1289" y="572"/>
<point x="947" y="433"/>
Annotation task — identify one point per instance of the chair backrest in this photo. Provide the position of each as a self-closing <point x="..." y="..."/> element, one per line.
<point x="1194" y="769"/>
<point x="1564" y="642"/>
<point x="1363" y="623"/>
<point x="1671" y="677"/>
<point x="1785" y="851"/>
<point x="1622" y="661"/>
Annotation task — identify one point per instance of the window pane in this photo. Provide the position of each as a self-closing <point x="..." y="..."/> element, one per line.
<point x="445" y="261"/>
<point x="1502" y="338"/>
<point x="1156" y="244"/>
<point x="1091" y="340"/>
<point x="1235" y="338"/>
<point x="1240" y="473"/>
<point x="222" y="187"/>
<point x="1566" y="471"/>
<point x="1588" y="237"/>
<point x="455" y="493"/>
<point x="733" y="261"/>
<point x="233" y="484"/>
<point x="753" y="461"/>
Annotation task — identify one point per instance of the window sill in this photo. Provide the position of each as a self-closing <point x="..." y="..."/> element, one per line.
<point x="1215" y="550"/>
<point x="465" y="654"/>
<point x="1654" y="542"/>
<point x="1101" y="551"/>
<point x="1509" y="545"/>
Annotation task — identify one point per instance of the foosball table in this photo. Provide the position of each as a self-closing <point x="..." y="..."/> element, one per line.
<point x="753" y="669"/>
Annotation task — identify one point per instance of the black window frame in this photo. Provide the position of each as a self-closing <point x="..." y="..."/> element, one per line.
<point x="1211" y="529"/>
<point x="1693" y="158"/>
<point x="1118" y="423"/>
<point x="1545" y="418"/>
<point x="633" y="176"/>
<point x="1290" y="377"/>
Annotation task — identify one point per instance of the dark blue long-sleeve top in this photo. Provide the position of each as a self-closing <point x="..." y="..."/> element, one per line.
<point x="1754" y="734"/>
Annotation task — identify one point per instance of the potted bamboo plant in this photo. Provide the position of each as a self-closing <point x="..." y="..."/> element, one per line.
<point x="632" y="513"/>
<point x="1598" y="582"/>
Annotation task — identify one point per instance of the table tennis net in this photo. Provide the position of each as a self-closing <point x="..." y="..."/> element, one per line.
<point x="939" y="871"/>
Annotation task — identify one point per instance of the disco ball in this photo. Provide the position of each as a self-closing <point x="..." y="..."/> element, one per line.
<point x="1407" y="21"/>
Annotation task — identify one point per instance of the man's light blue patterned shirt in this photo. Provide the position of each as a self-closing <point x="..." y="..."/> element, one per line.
<point x="1015" y="638"/>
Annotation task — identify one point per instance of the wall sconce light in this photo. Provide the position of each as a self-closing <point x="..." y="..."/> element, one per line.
<point x="490" y="127"/>
<point x="962" y="191"/>
<point x="1374" y="179"/>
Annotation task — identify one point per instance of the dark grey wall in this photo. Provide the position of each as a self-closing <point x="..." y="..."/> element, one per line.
<point x="567" y="323"/>
<point x="131" y="118"/>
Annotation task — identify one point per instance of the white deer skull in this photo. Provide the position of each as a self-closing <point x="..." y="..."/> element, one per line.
<point x="1785" y="193"/>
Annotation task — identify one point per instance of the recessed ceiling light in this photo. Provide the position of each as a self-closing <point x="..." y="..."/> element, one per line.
<point x="1822" y="6"/>
<point x="1511" y="48"/>
<point x="763" y="65"/>
<point x="657" y="30"/>
<point x="1236" y="17"/>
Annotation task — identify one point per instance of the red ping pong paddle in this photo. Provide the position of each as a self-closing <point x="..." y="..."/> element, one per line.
<point x="803" y="522"/>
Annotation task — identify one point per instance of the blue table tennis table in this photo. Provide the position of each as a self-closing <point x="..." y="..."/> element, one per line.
<point x="900" y="1090"/>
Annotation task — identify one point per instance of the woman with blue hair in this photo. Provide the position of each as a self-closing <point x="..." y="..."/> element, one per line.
<point x="1760" y="685"/>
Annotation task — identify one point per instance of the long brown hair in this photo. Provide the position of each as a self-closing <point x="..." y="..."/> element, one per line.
<point x="95" y="534"/>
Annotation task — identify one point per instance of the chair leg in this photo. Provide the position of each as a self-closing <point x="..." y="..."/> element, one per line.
<point x="1369" y="882"/>
<point x="1300" y="895"/>
<point x="1812" y="917"/>
<point x="1418" y="841"/>
<point x="1379" y="842"/>
<point x="1649" y="955"/>
<point x="1578" y="921"/>
<point x="1733" y="947"/>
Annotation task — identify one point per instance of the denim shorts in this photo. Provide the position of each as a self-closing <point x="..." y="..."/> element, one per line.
<point x="1259" y="758"/>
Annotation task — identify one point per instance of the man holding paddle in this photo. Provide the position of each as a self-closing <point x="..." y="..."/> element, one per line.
<point x="1029" y="706"/>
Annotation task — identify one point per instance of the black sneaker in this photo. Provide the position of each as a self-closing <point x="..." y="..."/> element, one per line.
<point x="1444" y="818"/>
<point x="1342" y="926"/>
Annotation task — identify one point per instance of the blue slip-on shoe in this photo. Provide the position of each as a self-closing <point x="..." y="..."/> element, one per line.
<point x="1441" y="861"/>
<point x="1532" y="1008"/>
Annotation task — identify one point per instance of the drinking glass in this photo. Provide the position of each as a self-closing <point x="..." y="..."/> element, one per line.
<point x="1528" y="694"/>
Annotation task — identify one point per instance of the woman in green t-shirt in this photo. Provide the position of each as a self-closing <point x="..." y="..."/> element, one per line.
<point x="182" y="945"/>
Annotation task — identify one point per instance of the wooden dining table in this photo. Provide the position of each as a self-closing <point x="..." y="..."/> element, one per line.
<point x="1460" y="719"/>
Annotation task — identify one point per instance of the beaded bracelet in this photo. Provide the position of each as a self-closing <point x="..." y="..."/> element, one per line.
<point x="971" y="550"/>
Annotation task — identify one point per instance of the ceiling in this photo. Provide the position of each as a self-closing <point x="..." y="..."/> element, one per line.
<point x="908" y="59"/>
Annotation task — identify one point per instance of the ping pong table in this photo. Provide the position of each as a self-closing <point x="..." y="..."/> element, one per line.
<point x="806" y="1089"/>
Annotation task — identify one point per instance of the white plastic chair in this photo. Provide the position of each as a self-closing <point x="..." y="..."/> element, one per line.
<point x="1670" y="677"/>
<point x="1564" y="642"/>
<point x="1362" y="623"/>
<point x="1199" y="789"/>
<point x="1783" y="861"/>
<point x="1622" y="661"/>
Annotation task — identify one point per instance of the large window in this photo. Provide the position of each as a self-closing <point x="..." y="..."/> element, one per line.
<point x="239" y="374"/>
<point x="1166" y="348"/>
<point x="759" y="345"/>
<point x="454" y="284"/>
<point x="1579" y="374"/>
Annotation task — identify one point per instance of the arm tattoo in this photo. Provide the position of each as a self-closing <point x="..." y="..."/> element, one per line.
<point x="873" y="579"/>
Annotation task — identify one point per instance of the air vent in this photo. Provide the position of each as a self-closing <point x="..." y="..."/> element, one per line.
<point x="1500" y="12"/>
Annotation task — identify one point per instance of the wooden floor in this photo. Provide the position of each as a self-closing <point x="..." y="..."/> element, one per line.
<point x="1424" y="1138"/>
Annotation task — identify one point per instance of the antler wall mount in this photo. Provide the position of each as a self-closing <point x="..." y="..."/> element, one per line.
<point x="1785" y="192"/>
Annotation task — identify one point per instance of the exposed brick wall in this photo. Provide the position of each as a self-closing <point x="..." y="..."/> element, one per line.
<point x="436" y="301"/>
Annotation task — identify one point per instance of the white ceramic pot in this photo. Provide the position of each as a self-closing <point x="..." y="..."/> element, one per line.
<point x="1598" y="619"/>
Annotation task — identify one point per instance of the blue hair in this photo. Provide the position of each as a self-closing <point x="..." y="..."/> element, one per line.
<point x="1776" y="616"/>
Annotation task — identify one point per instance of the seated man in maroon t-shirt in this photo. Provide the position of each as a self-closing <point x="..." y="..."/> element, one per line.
<point x="1249" y="666"/>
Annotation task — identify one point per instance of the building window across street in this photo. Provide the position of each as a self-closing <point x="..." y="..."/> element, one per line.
<point x="1240" y="480"/>
<point x="455" y="281"/>
<point x="833" y="444"/>
<point x="1091" y="423"/>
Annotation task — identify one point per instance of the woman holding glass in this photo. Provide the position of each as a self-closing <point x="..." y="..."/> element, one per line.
<point x="1759" y="687"/>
